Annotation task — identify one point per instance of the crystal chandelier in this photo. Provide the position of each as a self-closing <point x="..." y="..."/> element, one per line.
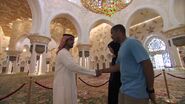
<point x="106" y="7"/>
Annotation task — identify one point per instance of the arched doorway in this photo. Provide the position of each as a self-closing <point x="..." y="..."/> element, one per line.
<point x="99" y="38"/>
<point x="158" y="52"/>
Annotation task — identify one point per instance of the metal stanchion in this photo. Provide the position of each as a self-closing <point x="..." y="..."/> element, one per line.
<point x="29" y="90"/>
<point x="168" y="100"/>
<point x="76" y="78"/>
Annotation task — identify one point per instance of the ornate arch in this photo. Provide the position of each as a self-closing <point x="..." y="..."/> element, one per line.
<point x="100" y="21"/>
<point x="69" y="16"/>
<point x="155" y="8"/>
<point x="37" y="13"/>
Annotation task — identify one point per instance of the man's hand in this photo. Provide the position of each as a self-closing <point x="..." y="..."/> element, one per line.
<point x="152" y="98"/>
<point x="98" y="72"/>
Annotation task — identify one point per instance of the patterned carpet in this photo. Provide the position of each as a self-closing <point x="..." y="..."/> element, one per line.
<point x="86" y="94"/>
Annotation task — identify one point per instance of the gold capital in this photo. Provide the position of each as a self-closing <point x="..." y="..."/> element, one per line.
<point x="36" y="38"/>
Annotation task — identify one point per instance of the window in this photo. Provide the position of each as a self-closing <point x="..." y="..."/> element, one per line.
<point x="158" y="53"/>
<point x="156" y="45"/>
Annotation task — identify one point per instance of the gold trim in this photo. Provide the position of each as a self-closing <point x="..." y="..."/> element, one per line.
<point x="84" y="46"/>
<point x="175" y="31"/>
<point x="36" y="38"/>
<point x="12" y="52"/>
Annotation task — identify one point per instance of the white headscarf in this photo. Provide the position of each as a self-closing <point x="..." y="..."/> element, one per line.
<point x="63" y="41"/>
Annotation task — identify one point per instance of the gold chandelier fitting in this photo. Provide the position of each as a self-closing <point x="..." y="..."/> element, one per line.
<point x="106" y="7"/>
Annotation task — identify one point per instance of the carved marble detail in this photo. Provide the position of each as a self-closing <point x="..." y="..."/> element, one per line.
<point x="13" y="52"/>
<point x="145" y="29"/>
<point x="85" y="47"/>
<point x="36" y="38"/>
<point x="175" y="32"/>
<point x="39" y="49"/>
<point x="99" y="53"/>
<point x="12" y="10"/>
<point x="66" y="24"/>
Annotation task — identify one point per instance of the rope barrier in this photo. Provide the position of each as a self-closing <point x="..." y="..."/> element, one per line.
<point x="43" y="86"/>
<point x="13" y="92"/>
<point x="175" y="76"/>
<point x="108" y="81"/>
<point x="93" y="85"/>
<point x="157" y="75"/>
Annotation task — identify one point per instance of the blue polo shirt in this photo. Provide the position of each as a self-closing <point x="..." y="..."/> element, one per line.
<point x="130" y="56"/>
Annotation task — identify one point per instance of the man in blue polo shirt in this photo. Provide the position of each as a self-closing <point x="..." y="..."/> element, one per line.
<point x="137" y="75"/>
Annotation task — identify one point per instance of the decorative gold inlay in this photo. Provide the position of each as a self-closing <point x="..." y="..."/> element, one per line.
<point x="12" y="10"/>
<point x="176" y="31"/>
<point x="35" y="38"/>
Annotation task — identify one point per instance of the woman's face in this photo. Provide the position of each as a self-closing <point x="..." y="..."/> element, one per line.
<point x="115" y="36"/>
<point x="111" y="50"/>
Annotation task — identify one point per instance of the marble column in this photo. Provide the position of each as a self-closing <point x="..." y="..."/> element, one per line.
<point x="173" y="49"/>
<point x="27" y="66"/>
<point x="176" y="56"/>
<point x="38" y="49"/>
<point x="12" y="61"/>
<point x="84" y="59"/>
<point x="48" y="64"/>
<point x="12" y="53"/>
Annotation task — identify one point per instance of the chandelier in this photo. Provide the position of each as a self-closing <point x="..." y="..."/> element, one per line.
<point x="106" y="7"/>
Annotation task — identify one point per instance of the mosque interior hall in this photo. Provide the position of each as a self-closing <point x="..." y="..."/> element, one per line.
<point x="31" y="31"/>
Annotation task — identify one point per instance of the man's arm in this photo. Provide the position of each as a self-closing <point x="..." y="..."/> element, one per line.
<point x="68" y="62"/>
<point x="149" y="74"/>
<point x="114" y="68"/>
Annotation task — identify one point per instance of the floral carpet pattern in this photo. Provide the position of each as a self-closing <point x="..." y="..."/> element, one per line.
<point x="86" y="94"/>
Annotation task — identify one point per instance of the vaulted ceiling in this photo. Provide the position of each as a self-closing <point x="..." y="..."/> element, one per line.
<point x="12" y="10"/>
<point x="66" y="23"/>
<point x="143" y="15"/>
